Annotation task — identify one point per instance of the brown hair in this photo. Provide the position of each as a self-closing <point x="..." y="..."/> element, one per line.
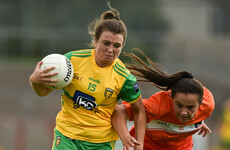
<point x="109" y="21"/>
<point x="178" y="82"/>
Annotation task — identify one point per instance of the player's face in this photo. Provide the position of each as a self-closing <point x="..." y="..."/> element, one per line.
<point x="108" y="48"/>
<point x="185" y="106"/>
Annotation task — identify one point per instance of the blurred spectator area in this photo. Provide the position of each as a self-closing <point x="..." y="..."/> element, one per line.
<point x="190" y="35"/>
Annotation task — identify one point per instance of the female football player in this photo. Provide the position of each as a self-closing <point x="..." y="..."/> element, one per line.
<point x="173" y="114"/>
<point x="100" y="81"/>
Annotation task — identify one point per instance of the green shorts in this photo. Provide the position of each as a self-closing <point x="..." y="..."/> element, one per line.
<point x="62" y="142"/>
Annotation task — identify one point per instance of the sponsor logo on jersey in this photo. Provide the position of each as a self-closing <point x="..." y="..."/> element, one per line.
<point x="163" y="123"/>
<point x="84" y="100"/>
<point x="170" y="127"/>
<point x="136" y="87"/>
<point x="58" y="141"/>
<point x="108" y="93"/>
<point x="94" y="80"/>
<point x="181" y="127"/>
<point x="77" y="77"/>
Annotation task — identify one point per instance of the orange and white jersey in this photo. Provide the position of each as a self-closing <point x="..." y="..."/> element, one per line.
<point x="164" y="131"/>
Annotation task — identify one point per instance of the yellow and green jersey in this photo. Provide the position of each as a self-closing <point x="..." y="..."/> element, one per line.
<point x="89" y="100"/>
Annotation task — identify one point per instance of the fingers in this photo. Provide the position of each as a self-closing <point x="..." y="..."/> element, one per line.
<point x="47" y="75"/>
<point x="204" y="130"/>
<point x="49" y="80"/>
<point x="135" y="142"/>
<point x="207" y="129"/>
<point x="200" y="132"/>
<point x="205" y="133"/>
<point x="39" y="64"/>
<point x="127" y="148"/>
<point x="46" y="70"/>
<point x="129" y="143"/>
<point x="43" y="77"/>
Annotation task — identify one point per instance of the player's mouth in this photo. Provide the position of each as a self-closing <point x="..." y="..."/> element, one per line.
<point x="183" y="118"/>
<point x="109" y="56"/>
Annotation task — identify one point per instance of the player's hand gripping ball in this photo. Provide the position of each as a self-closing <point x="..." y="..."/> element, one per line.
<point x="63" y="67"/>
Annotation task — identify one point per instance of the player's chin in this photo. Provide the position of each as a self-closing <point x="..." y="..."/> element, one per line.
<point x="183" y="120"/>
<point x="108" y="61"/>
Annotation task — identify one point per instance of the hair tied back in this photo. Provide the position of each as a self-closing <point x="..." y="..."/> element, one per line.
<point x="112" y="14"/>
<point x="189" y="75"/>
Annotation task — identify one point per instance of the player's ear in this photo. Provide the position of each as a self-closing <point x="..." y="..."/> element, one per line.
<point x="95" y="42"/>
<point x="170" y="93"/>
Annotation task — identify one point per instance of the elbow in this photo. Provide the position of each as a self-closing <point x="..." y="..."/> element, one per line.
<point x="119" y="112"/>
<point x="119" y="109"/>
<point x="42" y="93"/>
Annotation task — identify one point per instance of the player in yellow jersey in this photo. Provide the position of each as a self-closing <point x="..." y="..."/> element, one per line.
<point x="100" y="81"/>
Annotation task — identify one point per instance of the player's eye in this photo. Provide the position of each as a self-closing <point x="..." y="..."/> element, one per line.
<point x="179" y="105"/>
<point x="117" y="45"/>
<point x="106" y="43"/>
<point x="190" y="107"/>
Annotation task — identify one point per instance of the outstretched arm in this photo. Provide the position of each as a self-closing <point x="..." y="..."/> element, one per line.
<point x="139" y="122"/>
<point x="119" y="119"/>
<point x="39" y="78"/>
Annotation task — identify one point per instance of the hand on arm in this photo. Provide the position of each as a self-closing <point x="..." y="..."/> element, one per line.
<point x="204" y="130"/>
<point x="119" y="118"/>
<point x="39" y="78"/>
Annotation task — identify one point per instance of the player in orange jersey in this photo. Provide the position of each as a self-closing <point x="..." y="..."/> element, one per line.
<point x="173" y="114"/>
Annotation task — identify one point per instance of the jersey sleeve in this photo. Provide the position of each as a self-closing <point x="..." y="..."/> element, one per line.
<point x="130" y="91"/>
<point x="68" y="55"/>
<point x="207" y="106"/>
<point x="152" y="107"/>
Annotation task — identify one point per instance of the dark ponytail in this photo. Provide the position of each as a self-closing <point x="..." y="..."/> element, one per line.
<point x="178" y="82"/>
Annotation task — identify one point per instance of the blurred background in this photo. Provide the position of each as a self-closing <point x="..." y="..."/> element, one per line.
<point x="190" y="35"/>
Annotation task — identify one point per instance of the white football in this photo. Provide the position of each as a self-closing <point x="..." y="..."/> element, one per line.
<point x="63" y="67"/>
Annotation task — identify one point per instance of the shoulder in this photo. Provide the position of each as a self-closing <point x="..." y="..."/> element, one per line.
<point x="206" y="108"/>
<point x="120" y="69"/>
<point x="79" y="53"/>
<point x="158" y="105"/>
<point x="162" y="96"/>
<point x="208" y="102"/>
<point x="158" y="100"/>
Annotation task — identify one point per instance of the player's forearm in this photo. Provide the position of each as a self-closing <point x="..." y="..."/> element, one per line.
<point x="140" y="125"/>
<point x="119" y="119"/>
<point x="40" y="90"/>
<point x="139" y="120"/>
